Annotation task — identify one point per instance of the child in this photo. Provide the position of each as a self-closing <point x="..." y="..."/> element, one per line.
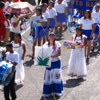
<point x="61" y="9"/>
<point x="38" y="31"/>
<point x="19" y="47"/>
<point x="53" y="84"/>
<point x="45" y="13"/>
<point x="77" y="62"/>
<point x="96" y="17"/>
<point x="52" y="18"/>
<point x="12" y="57"/>
<point x="88" y="28"/>
<point x="7" y="26"/>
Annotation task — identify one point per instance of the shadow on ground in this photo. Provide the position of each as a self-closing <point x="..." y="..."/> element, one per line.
<point x="73" y="83"/>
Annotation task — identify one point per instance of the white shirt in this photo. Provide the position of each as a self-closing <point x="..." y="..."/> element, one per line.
<point x="46" y="15"/>
<point x="34" y="19"/>
<point x="87" y="23"/>
<point x="12" y="56"/>
<point x="52" y="12"/>
<point x="54" y="52"/>
<point x="7" y="25"/>
<point x="96" y="16"/>
<point x="17" y="29"/>
<point x="60" y="8"/>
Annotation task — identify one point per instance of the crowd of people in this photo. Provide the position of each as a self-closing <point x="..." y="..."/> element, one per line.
<point x="44" y="23"/>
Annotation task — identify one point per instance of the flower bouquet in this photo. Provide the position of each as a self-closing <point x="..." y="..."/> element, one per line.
<point x="73" y="44"/>
<point x="42" y="56"/>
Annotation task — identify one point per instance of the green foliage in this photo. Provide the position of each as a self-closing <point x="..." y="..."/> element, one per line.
<point x="43" y="62"/>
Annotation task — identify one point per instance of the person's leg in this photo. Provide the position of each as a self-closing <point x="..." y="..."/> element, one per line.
<point x="39" y="2"/>
<point x="94" y="43"/>
<point x="12" y="88"/>
<point x="89" y="48"/>
<point x="61" y="27"/>
<point x="6" y="92"/>
<point x="33" y="48"/>
<point x="39" y="41"/>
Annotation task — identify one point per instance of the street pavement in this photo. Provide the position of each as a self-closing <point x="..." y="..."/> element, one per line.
<point x="87" y="89"/>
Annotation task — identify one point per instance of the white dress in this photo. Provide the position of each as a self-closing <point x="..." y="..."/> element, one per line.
<point x="20" y="73"/>
<point x="77" y="63"/>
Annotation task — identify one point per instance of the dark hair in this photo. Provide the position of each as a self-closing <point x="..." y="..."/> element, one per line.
<point x="7" y="15"/>
<point x="39" y="8"/>
<point x="19" y="35"/>
<point x="2" y="5"/>
<point x="44" y="4"/>
<point x="80" y="29"/>
<point x="89" y="12"/>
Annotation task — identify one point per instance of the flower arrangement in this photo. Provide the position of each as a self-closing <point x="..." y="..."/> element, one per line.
<point x="73" y="45"/>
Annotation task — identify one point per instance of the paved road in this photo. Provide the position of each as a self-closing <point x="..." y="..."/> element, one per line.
<point x="88" y="89"/>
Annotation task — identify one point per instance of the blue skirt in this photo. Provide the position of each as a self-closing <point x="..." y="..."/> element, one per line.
<point x="51" y="23"/>
<point x="87" y="33"/>
<point x="61" y="17"/>
<point x="38" y="31"/>
<point x="96" y="29"/>
<point x="53" y="80"/>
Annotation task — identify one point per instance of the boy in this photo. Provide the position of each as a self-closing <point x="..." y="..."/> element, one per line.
<point x="12" y="57"/>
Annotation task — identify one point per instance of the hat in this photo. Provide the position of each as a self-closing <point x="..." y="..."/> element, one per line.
<point x="97" y="5"/>
<point x="52" y="34"/>
<point x="9" y="45"/>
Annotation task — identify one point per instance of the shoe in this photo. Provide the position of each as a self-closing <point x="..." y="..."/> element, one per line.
<point x="92" y="49"/>
<point x="99" y="49"/>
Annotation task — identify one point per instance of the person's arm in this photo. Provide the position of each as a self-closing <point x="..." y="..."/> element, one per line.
<point x="15" y="24"/>
<point x="93" y="29"/>
<point x="24" y="51"/>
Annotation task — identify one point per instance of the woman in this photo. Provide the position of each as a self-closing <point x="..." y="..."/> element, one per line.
<point x="88" y="27"/>
<point x="53" y="84"/>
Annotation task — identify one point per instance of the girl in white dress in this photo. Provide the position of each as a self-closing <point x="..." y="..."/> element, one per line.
<point x="77" y="62"/>
<point x="19" y="47"/>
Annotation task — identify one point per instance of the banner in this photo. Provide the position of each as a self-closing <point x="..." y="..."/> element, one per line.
<point x="81" y="5"/>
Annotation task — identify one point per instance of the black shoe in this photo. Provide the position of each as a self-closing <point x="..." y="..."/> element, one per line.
<point x="92" y="49"/>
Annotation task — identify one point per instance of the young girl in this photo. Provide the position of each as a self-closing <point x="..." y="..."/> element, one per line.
<point x="61" y="9"/>
<point x="77" y="62"/>
<point x="52" y="17"/>
<point x="38" y="31"/>
<point x="88" y="27"/>
<point x="96" y="17"/>
<point x="19" y="47"/>
<point x="45" y="13"/>
<point x="53" y="84"/>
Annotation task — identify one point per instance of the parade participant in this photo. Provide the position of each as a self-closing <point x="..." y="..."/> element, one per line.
<point x="45" y="13"/>
<point x="2" y="21"/>
<point x="88" y="27"/>
<point x="61" y="9"/>
<point x="15" y="23"/>
<point x="12" y="57"/>
<point x="37" y="30"/>
<point x="98" y="2"/>
<point x="53" y="84"/>
<point x="52" y="18"/>
<point x="96" y="17"/>
<point x="77" y="62"/>
<point x="19" y="47"/>
<point x="7" y="27"/>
